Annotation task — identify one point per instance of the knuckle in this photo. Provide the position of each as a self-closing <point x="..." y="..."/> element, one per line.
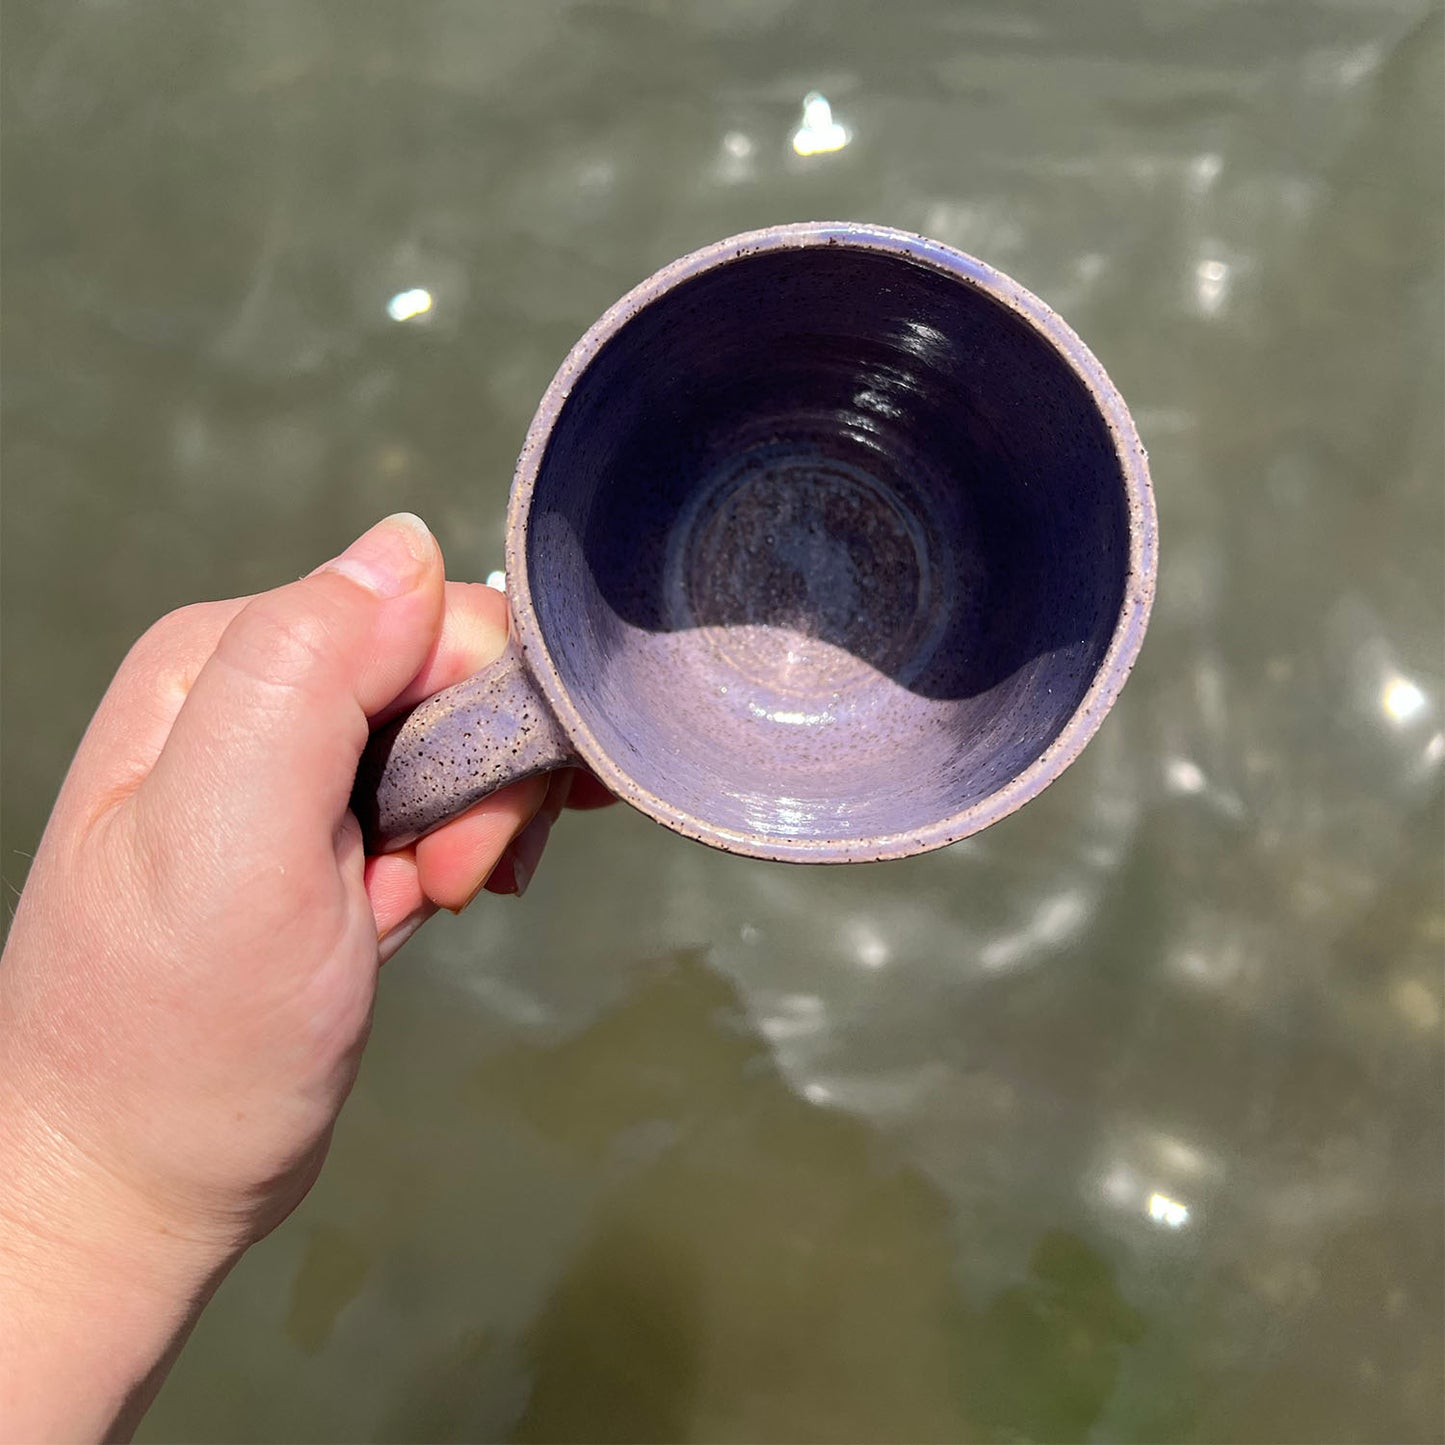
<point x="163" y="636"/>
<point x="163" y="660"/>
<point x="277" y="642"/>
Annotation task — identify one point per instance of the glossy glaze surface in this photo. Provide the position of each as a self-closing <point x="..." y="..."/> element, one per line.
<point x="838" y="544"/>
<point x="827" y="543"/>
<point x="1120" y="1121"/>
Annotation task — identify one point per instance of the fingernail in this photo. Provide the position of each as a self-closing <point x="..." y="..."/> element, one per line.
<point x="391" y="941"/>
<point x="476" y="893"/>
<point x="527" y="849"/>
<point x="390" y="559"/>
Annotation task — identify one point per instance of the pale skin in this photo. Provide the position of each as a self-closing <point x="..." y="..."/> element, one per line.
<point x="188" y="981"/>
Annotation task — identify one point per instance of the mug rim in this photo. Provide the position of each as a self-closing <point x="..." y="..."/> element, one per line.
<point x="1110" y="675"/>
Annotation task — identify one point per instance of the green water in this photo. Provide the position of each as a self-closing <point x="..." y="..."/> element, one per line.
<point x="1122" y="1121"/>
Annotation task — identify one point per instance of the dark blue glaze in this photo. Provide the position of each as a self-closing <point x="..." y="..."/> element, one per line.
<point x="828" y="543"/>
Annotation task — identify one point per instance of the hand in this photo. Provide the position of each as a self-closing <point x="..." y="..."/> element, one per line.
<point x="189" y="979"/>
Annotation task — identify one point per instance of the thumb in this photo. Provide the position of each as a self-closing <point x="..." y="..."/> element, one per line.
<point x="271" y="732"/>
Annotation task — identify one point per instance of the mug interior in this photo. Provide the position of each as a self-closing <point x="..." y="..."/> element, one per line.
<point x="826" y="545"/>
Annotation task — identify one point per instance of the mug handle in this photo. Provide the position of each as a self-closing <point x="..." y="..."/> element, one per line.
<point x="450" y="751"/>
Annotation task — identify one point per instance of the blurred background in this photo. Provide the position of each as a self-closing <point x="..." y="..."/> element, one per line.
<point x="1121" y="1121"/>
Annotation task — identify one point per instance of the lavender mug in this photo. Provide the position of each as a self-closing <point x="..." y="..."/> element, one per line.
<point x="828" y="543"/>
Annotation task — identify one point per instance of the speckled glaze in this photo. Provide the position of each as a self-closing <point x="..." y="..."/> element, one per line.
<point x="453" y="749"/>
<point x="828" y="543"/>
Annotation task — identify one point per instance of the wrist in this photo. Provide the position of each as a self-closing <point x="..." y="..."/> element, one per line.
<point x="97" y="1289"/>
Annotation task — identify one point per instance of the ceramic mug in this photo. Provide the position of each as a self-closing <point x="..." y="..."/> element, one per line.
<point x="828" y="543"/>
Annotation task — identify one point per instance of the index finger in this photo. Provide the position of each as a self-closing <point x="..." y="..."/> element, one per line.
<point x="473" y="633"/>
